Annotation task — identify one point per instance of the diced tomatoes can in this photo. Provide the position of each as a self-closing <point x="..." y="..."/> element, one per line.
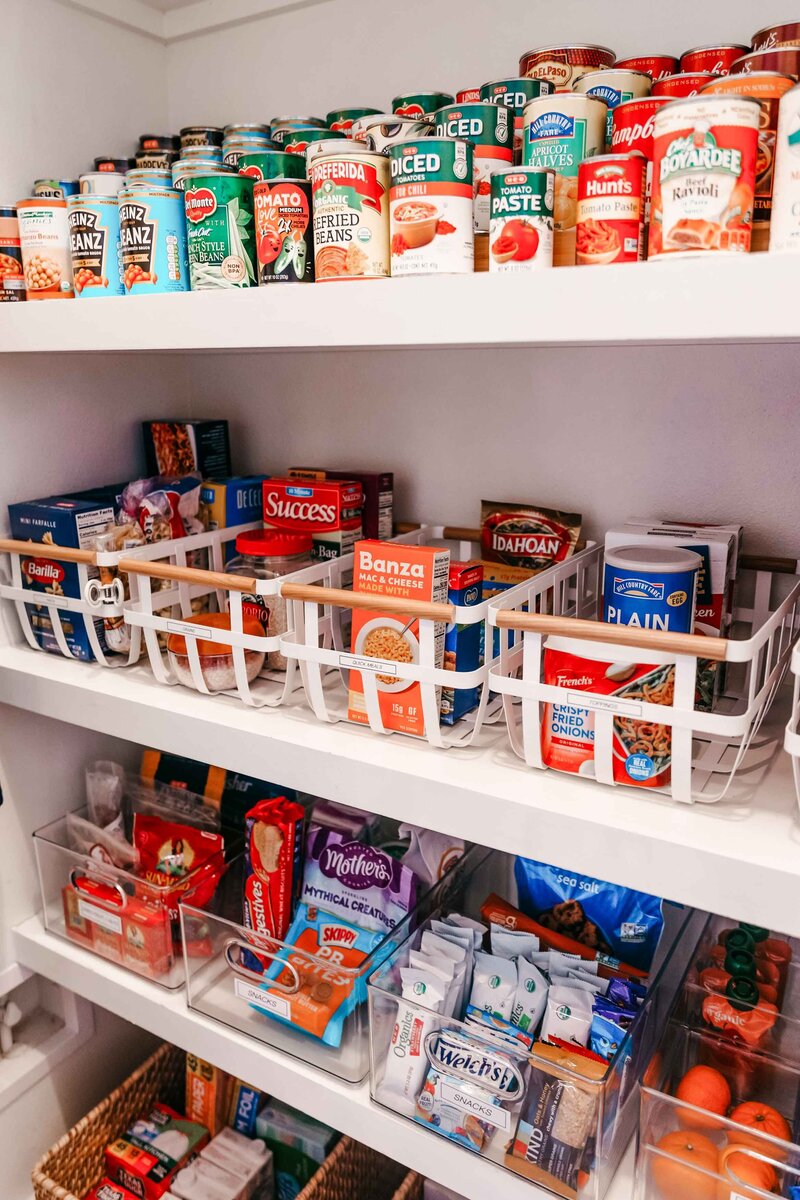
<point x="201" y="136"/>
<point x="94" y="245"/>
<point x="284" y="239"/>
<point x="340" y="120"/>
<point x="565" y="65"/>
<point x="704" y="176"/>
<point x="515" y="94"/>
<point x="382" y="132"/>
<point x="220" y="231"/>
<point x="615" y="86"/>
<point x="657" y="66"/>
<point x="44" y="243"/>
<point x="716" y="59"/>
<point x="521" y="224"/>
<point x="490" y="128"/>
<point x="469" y="96"/>
<point x="632" y="132"/>
<point x="430" y="207"/>
<point x="678" y="87"/>
<point x="611" y="210"/>
<point x="775" y="36"/>
<point x="55" y="189"/>
<point x="272" y="164"/>
<point x="12" y="279"/>
<point x="785" y="224"/>
<point x="350" y="208"/>
<point x="785" y="59"/>
<point x="152" y="236"/>
<point x="420" y="104"/>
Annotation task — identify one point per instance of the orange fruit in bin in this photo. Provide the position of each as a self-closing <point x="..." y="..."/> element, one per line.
<point x="681" y="1177"/>
<point x="762" y="1119"/>
<point x="704" y="1087"/>
<point x="741" y="1168"/>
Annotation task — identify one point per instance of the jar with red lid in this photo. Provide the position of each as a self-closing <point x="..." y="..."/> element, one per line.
<point x="269" y="554"/>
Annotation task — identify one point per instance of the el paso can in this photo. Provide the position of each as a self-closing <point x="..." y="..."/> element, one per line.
<point x="632" y="129"/>
<point x="515" y="94"/>
<point x="44" y="243"/>
<point x="657" y="66"/>
<point x="716" y="59"/>
<point x="271" y="164"/>
<point x="785" y="225"/>
<point x="94" y="245"/>
<point x="220" y="231"/>
<point x="420" y="104"/>
<point x="350" y="206"/>
<point x="490" y="128"/>
<point x="430" y="207"/>
<point x="615" y="86"/>
<point x="678" y="87"/>
<point x="12" y="280"/>
<point x="610" y="210"/>
<point x="382" y="132"/>
<point x="152" y="241"/>
<point x="340" y="120"/>
<point x="521" y="219"/>
<point x="284" y="242"/>
<point x="775" y="36"/>
<point x="704" y="175"/>
<point x="564" y="65"/>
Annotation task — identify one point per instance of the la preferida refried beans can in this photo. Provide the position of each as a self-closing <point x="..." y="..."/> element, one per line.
<point x="350" y="197"/>
<point x="785" y="226"/>
<point x="521" y="219"/>
<point x="430" y="207"/>
<point x="490" y="128"/>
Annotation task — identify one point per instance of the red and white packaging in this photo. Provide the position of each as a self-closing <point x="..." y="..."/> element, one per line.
<point x="718" y="60"/>
<point x="632" y="130"/>
<point x="611" y="209"/>
<point x="106" y="1189"/>
<point x="469" y="96"/>
<point x="312" y="505"/>
<point x="657" y="66"/>
<point x="677" y="87"/>
<point x="273" y="849"/>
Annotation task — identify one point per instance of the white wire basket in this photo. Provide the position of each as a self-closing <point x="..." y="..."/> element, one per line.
<point x="792" y="739"/>
<point x="559" y="612"/>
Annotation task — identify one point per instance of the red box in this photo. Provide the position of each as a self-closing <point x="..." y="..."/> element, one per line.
<point x="313" y="505"/>
<point x="273" y="846"/>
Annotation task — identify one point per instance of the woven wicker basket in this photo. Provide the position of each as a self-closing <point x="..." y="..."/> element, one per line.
<point x="354" y="1172"/>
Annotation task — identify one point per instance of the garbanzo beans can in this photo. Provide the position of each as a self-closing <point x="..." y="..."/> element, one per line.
<point x="490" y="128"/>
<point x="716" y="59"/>
<point x="657" y="66"/>
<point x="94" y="245"/>
<point x="615" y="86"/>
<point x="564" y="65"/>
<point x="44" y="243"/>
<point x="420" y="104"/>
<point x="678" y="87"/>
<point x="515" y="93"/>
<point x="430" y="207"/>
<point x="350" y="203"/>
<point x="521" y="219"/>
<point x="610" y="210"/>
<point x="284" y="241"/>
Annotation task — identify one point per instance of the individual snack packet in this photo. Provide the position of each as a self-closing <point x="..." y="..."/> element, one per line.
<point x="99" y="844"/>
<point x="430" y="855"/>
<point x="434" y="943"/>
<point x="273" y="850"/>
<point x="494" y="985"/>
<point x="608" y="1031"/>
<point x="361" y="884"/>
<point x="356" y="824"/>
<point x="511" y="943"/>
<point x="179" y="857"/>
<point x="407" y="1062"/>
<point x="105" y="788"/>
<point x="478" y="930"/>
<point x="498" y="1028"/>
<point x="444" y="969"/>
<point x="530" y="997"/>
<point x="568" y="1015"/>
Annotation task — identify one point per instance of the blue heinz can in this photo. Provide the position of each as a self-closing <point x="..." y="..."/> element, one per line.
<point x="94" y="245"/>
<point x="149" y="177"/>
<point x="152" y="238"/>
<point x="650" y="588"/>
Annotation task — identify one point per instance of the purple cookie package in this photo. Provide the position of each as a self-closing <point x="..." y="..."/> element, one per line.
<point x="359" y="883"/>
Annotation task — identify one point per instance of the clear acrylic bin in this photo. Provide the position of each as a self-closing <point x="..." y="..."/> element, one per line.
<point x="116" y="914"/>
<point x="228" y="983"/>
<point x="604" y="1108"/>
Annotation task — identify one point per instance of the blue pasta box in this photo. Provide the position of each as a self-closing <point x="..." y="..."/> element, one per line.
<point x="229" y="502"/>
<point x="463" y="644"/>
<point x="63" y="522"/>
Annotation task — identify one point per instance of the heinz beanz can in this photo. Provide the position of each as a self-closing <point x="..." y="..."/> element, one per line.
<point x="521" y="219"/>
<point x="220" y="231"/>
<point x="430" y="207"/>
<point x="785" y="224"/>
<point x="44" y="242"/>
<point x="152" y="238"/>
<point x="284" y="236"/>
<point x="12" y="280"/>
<point x="515" y="94"/>
<point x="420" y="104"/>
<point x="94" y="245"/>
<point x="615" y="87"/>
<point x="272" y="164"/>
<point x="490" y="128"/>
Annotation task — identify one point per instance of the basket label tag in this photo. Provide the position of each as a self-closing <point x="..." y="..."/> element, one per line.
<point x="607" y="704"/>
<point x="196" y="631"/>
<point x="106" y="920"/>
<point x="492" y="1114"/>
<point x="355" y="663"/>
<point x="253" y="994"/>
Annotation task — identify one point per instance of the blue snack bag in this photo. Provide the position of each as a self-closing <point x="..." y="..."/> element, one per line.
<point x="613" y="920"/>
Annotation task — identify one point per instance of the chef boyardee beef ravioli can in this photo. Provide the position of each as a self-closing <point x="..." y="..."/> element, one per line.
<point x="350" y="195"/>
<point x="430" y="207"/>
<point x="94" y="245"/>
<point x="152" y="236"/>
<point x="515" y="94"/>
<point x="490" y="128"/>
<point x="284" y="241"/>
<point x="521" y="224"/>
<point x="220" y="231"/>
<point x="12" y="280"/>
<point x="271" y="164"/>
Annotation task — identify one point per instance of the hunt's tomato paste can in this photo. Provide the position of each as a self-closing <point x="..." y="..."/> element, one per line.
<point x="430" y="207"/>
<point x="564" y="65"/>
<point x="284" y="242"/>
<point x="610" y="210"/>
<point x="350" y="210"/>
<point x="420" y="104"/>
<point x="678" y="87"/>
<point x="521" y="226"/>
<point x="716" y="59"/>
<point x="490" y="128"/>
<point x="615" y="86"/>
<point x="704" y="176"/>
<point x="632" y="132"/>
<point x="775" y="36"/>
<point x="469" y="96"/>
<point x="657" y="66"/>
<point x="515" y="94"/>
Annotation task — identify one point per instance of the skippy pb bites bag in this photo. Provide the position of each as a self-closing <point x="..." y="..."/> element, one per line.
<point x="520" y="540"/>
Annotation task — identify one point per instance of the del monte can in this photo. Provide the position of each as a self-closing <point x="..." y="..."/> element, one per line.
<point x="521" y="225"/>
<point x="219" y="227"/>
<point x="490" y="128"/>
<point x="430" y="206"/>
<point x="270" y="164"/>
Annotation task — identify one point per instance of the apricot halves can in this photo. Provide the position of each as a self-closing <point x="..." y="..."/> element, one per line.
<point x="284" y="242"/>
<point x="521" y="224"/>
<point x="490" y="128"/>
<point x="611" y="189"/>
<point x="152" y="236"/>
<point x="94" y="245"/>
<point x="430" y="207"/>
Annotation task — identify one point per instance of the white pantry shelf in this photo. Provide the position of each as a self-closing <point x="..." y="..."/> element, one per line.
<point x="739" y="859"/>
<point x="346" y="1107"/>
<point x="707" y="301"/>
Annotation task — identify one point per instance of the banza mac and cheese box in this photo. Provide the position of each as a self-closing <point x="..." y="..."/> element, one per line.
<point x="409" y="573"/>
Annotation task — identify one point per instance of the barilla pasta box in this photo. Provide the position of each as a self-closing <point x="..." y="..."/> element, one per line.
<point x="383" y="642"/>
<point x="148" y="1156"/>
<point x="378" y="489"/>
<point x="207" y="1094"/>
<point x="463" y="644"/>
<point x="229" y="502"/>
<point x="63" y="522"/>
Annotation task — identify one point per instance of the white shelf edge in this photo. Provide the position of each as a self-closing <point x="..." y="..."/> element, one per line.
<point x="346" y="1107"/>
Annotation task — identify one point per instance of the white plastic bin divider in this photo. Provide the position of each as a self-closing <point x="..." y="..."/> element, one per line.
<point x="707" y="747"/>
<point x="792" y="739"/>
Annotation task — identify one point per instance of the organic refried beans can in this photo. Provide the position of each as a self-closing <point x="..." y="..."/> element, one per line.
<point x="94" y="245"/>
<point x="615" y="87"/>
<point x="632" y="132"/>
<point x="430" y="207"/>
<point x="704" y="175"/>
<point x="12" y="280"/>
<point x="657" y="66"/>
<point x="716" y="59"/>
<point x="152" y="238"/>
<point x="521" y="225"/>
<point x="611" y="210"/>
<point x="565" y="65"/>
<point x="678" y="87"/>
<point x="350" y="203"/>
<point x="220" y="231"/>
<point x="775" y="36"/>
<point x="284" y="242"/>
<point x="44" y="243"/>
<point x="420" y="104"/>
<point x="785" y="225"/>
<point x="515" y="94"/>
<point x="490" y="128"/>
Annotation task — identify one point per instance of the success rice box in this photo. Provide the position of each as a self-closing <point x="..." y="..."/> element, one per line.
<point x="408" y="573"/>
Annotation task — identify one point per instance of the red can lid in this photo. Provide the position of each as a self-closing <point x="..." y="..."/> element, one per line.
<point x="273" y="543"/>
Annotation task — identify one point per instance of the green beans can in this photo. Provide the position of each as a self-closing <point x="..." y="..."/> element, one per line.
<point x="272" y="164"/>
<point x="521" y="224"/>
<point x="220" y="229"/>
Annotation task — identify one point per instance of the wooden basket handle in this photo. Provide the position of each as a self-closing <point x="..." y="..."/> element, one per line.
<point x="761" y="562"/>
<point x="46" y="550"/>
<point x="372" y="603"/>
<point x="218" y="579"/>
<point x="619" y="635"/>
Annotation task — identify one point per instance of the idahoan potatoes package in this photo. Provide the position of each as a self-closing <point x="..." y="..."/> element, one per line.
<point x="520" y="540"/>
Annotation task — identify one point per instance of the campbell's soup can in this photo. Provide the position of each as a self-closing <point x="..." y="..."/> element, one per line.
<point x="785" y="224"/>
<point x="717" y="60"/>
<point x="469" y="96"/>
<point x="350" y="209"/>
<point x="615" y="87"/>
<point x="704" y="176"/>
<point x="632" y="131"/>
<point x="94" y="245"/>
<point x="152" y="238"/>
<point x="430" y="207"/>
<point x="611" y="210"/>
<point x="490" y="128"/>
<point x="657" y="66"/>
<point x="785" y="59"/>
<point x="55" y="189"/>
<point x="767" y="87"/>
<point x="521" y="219"/>
<point x="420" y="104"/>
<point x="101" y="183"/>
<point x="560" y="132"/>
<point x="678" y="87"/>
<point x="340" y="120"/>
<point x="382" y="132"/>
<point x="297" y="141"/>
<point x="272" y="164"/>
<point x="515" y="94"/>
<point x="12" y="279"/>
<point x="284" y="239"/>
<point x="201" y="137"/>
<point x="565" y="65"/>
<point x="775" y="36"/>
<point x="44" y="243"/>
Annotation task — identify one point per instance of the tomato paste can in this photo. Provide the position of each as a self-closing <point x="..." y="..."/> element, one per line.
<point x="44" y="243"/>
<point x="284" y="237"/>
<point x="350" y="207"/>
<point x="767" y="87"/>
<point x="718" y="60"/>
<point x="515" y="94"/>
<point x="678" y="87"/>
<point x="381" y="132"/>
<point x="468" y="96"/>
<point x="297" y="141"/>
<point x="560" y="132"/>
<point x="565" y="65"/>
<point x="139" y="178"/>
<point x="234" y="148"/>
<point x="190" y="168"/>
<point x="101" y="183"/>
<point x="785" y="59"/>
<point x="220" y="229"/>
<point x="785" y="224"/>
<point x="340" y="120"/>
<point x="272" y="164"/>
<point x="152" y="239"/>
<point x="12" y="279"/>
<point x="156" y="160"/>
<point x="430" y="207"/>
<point x="94" y="245"/>
<point x="615" y="87"/>
<point x="657" y="66"/>
<point x="704" y="175"/>
<point x="632" y="133"/>
<point x="521" y="219"/>
<point x="775" y="36"/>
<point x="119" y="165"/>
<point x="201" y="136"/>
<point x="55" y="189"/>
<point x="490" y="128"/>
<point x="420" y="104"/>
<point x="611" y="209"/>
<point x="253" y="132"/>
